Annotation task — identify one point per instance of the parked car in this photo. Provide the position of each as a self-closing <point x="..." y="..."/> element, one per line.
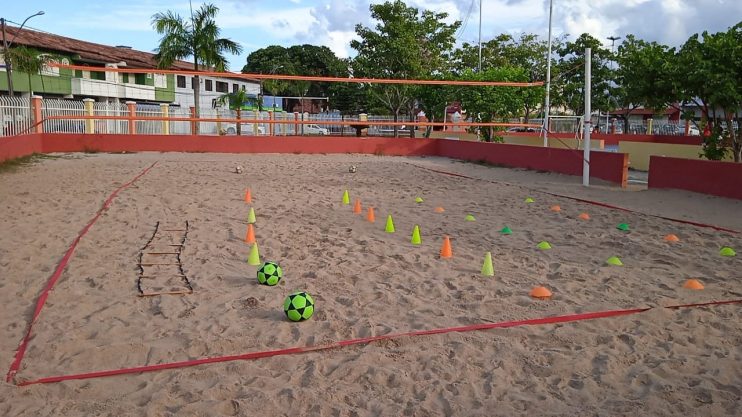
<point x="693" y="131"/>
<point x="521" y="129"/>
<point x="247" y="129"/>
<point x="315" y="130"/>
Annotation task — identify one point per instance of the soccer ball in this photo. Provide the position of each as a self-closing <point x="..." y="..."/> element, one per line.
<point x="238" y="169"/>
<point x="269" y="273"/>
<point x="298" y="306"/>
<point x="352" y="169"/>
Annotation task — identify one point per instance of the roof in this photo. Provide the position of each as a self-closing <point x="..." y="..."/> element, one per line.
<point x="640" y="111"/>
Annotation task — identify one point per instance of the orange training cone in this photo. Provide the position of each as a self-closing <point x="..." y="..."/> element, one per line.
<point x="370" y="216"/>
<point x="250" y="238"/>
<point x="446" y="251"/>
<point x="555" y="209"/>
<point x="672" y="238"/>
<point x="584" y="216"/>
<point x="693" y="284"/>
<point x="357" y="207"/>
<point x="439" y="210"/>
<point x="542" y="293"/>
<point x="248" y="196"/>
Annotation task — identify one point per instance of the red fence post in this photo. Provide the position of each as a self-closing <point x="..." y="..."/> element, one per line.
<point x="132" y="106"/>
<point x="193" y="122"/>
<point x="36" y="105"/>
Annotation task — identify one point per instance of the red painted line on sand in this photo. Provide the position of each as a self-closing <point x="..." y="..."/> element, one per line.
<point x="582" y="200"/>
<point x="15" y="366"/>
<point x="359" y="341"/>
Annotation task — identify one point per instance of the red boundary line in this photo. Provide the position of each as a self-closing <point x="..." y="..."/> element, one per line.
<point x="582" y="200"/>
<point x="360" y="341"/>
<point x="15" y="366"/>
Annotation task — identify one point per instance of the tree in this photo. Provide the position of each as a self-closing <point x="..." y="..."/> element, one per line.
<point x="644" y="77"/>
<point x="569" y="87"/>
<point x="489" y="104"/>
<point x="197" y="38"/>
<point x="32" y="62"/>
<point x="708" y="74"/>
<point x="235" y="101"/>
<point x="405" y="43"/>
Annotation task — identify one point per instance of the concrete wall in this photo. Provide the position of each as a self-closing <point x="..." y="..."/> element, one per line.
<point x="708" y="177"/>
<point x="640" y="152"/>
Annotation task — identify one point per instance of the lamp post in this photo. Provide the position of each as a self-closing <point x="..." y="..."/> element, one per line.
<point x="613" y="40"/>
<point x="479" y="68"/>
<point x="547" y="103"/>
<point x="7" y="45"/>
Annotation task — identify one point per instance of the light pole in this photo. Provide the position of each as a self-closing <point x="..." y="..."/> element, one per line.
<point x="547" y="103"/>
<point x="479" y="68"/>
<point x="613" y="40"/>
<point x="7" y="45"/>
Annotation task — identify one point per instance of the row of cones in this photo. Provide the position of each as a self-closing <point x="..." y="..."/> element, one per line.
<point x="254" y="257"/>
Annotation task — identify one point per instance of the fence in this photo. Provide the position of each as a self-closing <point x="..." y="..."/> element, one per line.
<point x="16" y="115"/>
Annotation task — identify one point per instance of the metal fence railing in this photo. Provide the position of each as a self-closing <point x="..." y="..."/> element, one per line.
<point x="16" y="115"/>
<point x="58" y="107"/>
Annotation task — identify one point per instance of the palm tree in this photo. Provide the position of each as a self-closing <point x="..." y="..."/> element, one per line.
<point x="197" y="38"/>
<point x="32" y="62"/>
<point x="235" y="101"/>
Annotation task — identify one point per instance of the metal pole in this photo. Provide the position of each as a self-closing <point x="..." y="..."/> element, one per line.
<point x="613" y="40"/>
<point x="7" y="60"/>
<point x="547" y="104"/>
<point x="480" y="37"/>
<point x="587" y="122"/>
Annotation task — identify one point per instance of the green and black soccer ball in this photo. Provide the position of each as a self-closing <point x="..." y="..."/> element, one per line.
<point x="269" y="273"/>
<point x="298" y="306"/>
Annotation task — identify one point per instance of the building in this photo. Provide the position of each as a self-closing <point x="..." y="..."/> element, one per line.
<point x="103" y="86"/>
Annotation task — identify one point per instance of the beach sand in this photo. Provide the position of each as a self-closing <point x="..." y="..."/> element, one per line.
<point x="365" y="282"/>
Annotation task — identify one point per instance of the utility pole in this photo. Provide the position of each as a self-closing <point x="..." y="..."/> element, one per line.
<point x="7" y="59"/>
<point x="587" y="121"/>
<point x="479" y="68"/>
<point x="547" y="104"/>
<point x="613" y="40"/>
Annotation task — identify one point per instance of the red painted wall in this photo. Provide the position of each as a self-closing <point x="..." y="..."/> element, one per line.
<point x="231" y="144"/>
<point x="611" y="139"/>
<point x="608" y="166"/>
<point x="708" y="177"/>
<point x="17" y="146"/>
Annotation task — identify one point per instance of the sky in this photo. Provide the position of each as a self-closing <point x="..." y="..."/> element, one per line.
<point x="260" y="23"/>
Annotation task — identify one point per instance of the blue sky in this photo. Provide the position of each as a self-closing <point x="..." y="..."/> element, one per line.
<point x="260" y="23"/>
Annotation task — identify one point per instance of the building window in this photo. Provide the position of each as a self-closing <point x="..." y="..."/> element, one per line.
<point x="181" y="81"/>
<point x="235" y="88"/>
<point x="222" y="87"/>
<point x="124" y="78"/>
<point x="194" y="84"/>
<point x="140" y="79"/>
<point x="208" y="87"/>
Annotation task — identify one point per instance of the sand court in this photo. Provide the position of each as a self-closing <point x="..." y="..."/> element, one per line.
<point x="366" y="282"/>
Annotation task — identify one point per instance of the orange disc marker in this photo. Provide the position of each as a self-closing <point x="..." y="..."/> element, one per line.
<point x="248" y="196"/>
<point x="250" y="237"/>
<point x="439" y="210"/>
<point x="370" y="216"/>
<point x="446" y="251"/>
<point x="693" y="284"/>
<point x="357" y="207"/>
<point x="555" y="209"/>
<point x="541" y="293"/>
<point x="584" y="216"/>
<point x="672" y="238"/>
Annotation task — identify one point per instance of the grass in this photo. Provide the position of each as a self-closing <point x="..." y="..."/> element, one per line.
<point x="13" y="165"/>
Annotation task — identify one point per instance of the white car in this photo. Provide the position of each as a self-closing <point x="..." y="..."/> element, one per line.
<point x="247" y="129"/>
<point x="315" y="130"/>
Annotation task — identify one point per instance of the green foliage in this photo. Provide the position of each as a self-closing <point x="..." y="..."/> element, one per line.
<point x="569" y="88"/>
<point x="405" y="43"/>
<point x="30" y="61"/>
<point x="197" y="38"/>
<point x="714" y="146"/>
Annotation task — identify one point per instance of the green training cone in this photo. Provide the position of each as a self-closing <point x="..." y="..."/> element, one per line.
<point x="389" y="224"/>
<point x="346" y="198"/>
<point x="506" y="231"/>
<point x="419" y="200"/>
<point x="251" y="216"/>
<point x="530" y="200"/>
<point x="613" y="260"/>
<point x="416" y="236"/>
<point x="470" y="218"/>
<point x="487" y="269"/>
<point x="623" y="226"/>
<point x="727" y="251"/>
<point x="544" y="245"/>
<point x="254" y="257"/>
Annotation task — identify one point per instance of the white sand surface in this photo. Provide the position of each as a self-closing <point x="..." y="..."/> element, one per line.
<point x="365" y="282"/>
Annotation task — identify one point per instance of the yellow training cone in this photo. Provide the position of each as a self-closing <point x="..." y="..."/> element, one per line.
<point x="487" y="269"/>
<point x="389" y="224"/>
<point x="346" y="198"/>
<point x="254" y="257"/>
<point x="251" y="216"/>
<point x="416" y="235"/>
